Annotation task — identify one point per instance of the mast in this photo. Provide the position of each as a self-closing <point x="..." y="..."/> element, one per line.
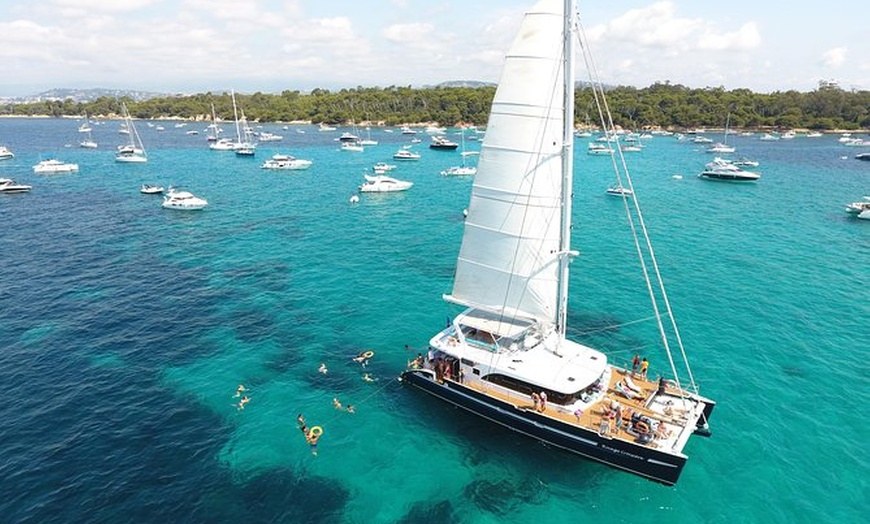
<point x="567" y="164"/>
<point x="236" y="118"/>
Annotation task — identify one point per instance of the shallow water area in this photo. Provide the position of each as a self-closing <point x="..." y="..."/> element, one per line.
<point x="127" y="329"/>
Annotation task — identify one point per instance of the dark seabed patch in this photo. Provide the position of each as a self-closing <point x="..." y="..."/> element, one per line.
<point x="442" y="511"/>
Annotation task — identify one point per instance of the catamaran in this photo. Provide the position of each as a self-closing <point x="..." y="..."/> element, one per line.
<point x="506" y="357"/>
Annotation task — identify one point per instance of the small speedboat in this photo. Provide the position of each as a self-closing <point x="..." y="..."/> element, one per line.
<point x="150" y="189"/>
<point x="183" y="200"/>
<point x="383" y="167"/>
<point x="595" y="148"/>
<point x="7" y="185"/>
<point x="618" y="190"/>
<point x="6" y="153"/>
<point x="383" y="184"/>
<point x="460" y="171"/>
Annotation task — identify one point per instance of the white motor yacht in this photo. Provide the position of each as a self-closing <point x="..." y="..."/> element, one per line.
<point x="354" y="146"/>
<point x="7" y="185"/>
<point x="720" y="169"/>
<point x="51" y="166"/>
<point x="6" y="153"/>
<point x="383" y="184"/>
<point x="286" y="162"/>
<point x="443" y="144"/>
<point x="183" y="200"/>
<point x="719" y="147"/>
<point x="222" y="144"/>
<point x="266" y="136"/>
<point x="404" y="154"/>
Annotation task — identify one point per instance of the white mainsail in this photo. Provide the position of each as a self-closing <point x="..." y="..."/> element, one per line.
<point x="509" y="259"/>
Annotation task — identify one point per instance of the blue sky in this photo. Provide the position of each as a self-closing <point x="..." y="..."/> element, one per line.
<point x="271" y="45"/>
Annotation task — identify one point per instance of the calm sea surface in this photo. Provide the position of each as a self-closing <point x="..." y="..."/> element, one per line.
<point x="125" y="330"/>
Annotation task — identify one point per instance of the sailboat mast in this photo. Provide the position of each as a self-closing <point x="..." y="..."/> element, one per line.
<point x="236" y="117"/>
<point x="567" y="164"/>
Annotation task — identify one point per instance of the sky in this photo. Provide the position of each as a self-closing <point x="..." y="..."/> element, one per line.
<point x="194" y="46"/>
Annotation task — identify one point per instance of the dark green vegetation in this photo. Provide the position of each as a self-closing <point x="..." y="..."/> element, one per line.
<point x="662" y="104"/>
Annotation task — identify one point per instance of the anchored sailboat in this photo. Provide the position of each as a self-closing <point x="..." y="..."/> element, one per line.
<point x="506" y="357"/>
<point x="134" y="151"/>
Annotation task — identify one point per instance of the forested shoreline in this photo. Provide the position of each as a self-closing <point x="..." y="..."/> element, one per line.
<point x="661" y="105"/>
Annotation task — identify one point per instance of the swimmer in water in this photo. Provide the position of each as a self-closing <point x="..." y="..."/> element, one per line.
<point x="336" y="403"/>
<point x="240" y="390"/>
<point x="368" y="378"/>
<point x="350" y="409"/>
<point x="244" y="401"/>
<point x="322" y="368"/>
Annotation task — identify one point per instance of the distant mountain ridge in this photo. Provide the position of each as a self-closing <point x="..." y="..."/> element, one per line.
<point x="82" y="95"/>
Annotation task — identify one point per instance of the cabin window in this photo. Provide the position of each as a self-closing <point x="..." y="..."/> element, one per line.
<point x="527" y="389"/>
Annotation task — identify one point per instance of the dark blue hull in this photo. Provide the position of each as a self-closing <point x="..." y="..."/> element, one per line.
<point x="634" y="458"/>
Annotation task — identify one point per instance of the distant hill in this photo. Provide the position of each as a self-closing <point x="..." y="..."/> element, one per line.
<point x="465" y="83"/>
<point x="82" y="95"/>
<point x="581" y="84"/>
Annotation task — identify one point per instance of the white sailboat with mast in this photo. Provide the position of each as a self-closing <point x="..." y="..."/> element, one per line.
<point x="463" y="169"/>
<point x="245" y="147"/>
<point x="506" y="357"/>
<point x="134" y="151"/>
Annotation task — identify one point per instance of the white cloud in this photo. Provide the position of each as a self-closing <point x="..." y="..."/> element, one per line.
<point x="659" y="26"/>
<point x="834" y="57"/>
<point x="414" y="33"/>
<point x="747" y="37"/>
<point x="89" y="7"/>
<point x="656" y="26"/>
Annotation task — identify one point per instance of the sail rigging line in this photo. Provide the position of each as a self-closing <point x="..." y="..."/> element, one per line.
<point x="611" y="327"/>
<point x="604" y="109"/>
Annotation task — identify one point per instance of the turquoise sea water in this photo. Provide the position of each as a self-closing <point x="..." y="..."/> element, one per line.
<point x="126" y="329"/>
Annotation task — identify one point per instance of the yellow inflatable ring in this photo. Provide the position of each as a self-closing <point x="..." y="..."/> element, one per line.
<point x="368" y="354"/>
<point x="315" y="432"/>
<point x="642" y="427"/>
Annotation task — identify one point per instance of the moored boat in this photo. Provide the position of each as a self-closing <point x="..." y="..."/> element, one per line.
<point x="151" y="189"/>
<point x="183" y="200"/>
<point x="288" y="162"/>
<point x="7" y="185"/>
<point x="383" y="184"/>
<point x="506" y="358"/>
<point x="54" y="166"/>
<point x="405" y="154"/>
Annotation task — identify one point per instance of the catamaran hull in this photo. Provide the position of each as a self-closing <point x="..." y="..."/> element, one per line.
<point x="640" y="460"/>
